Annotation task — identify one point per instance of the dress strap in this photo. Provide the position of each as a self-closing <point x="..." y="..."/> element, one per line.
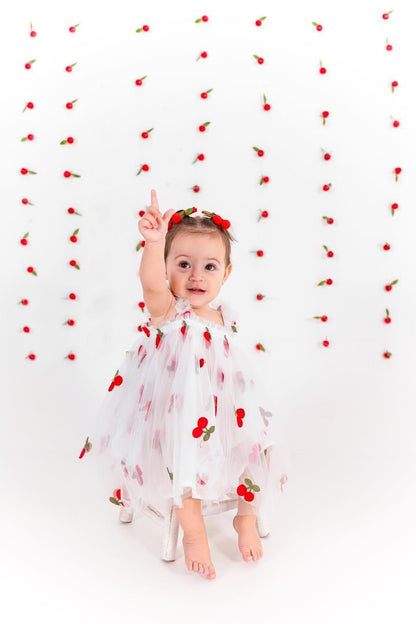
<point x="229" y="314"/>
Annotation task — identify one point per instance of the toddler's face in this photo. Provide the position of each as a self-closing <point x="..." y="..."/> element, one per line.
<point x="197" y="261"/>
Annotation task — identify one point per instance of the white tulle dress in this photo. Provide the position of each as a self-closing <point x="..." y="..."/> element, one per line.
<point x="186" y="414"/>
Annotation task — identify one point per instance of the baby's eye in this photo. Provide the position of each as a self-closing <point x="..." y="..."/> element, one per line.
<point x="210" y="264"/>
<point x="183" y="262"/>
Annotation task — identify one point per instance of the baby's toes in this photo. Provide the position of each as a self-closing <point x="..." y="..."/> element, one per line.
<point x="247" y="554"/>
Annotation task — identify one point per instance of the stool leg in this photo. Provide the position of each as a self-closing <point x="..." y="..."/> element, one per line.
<point x="125" y="515"/>
<point x="262" y="528"/>
<point x="170" y="535"/>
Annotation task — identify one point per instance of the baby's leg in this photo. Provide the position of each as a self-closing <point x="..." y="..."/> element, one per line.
<point x="195" y="540"/>
<point x="245" y="524"/>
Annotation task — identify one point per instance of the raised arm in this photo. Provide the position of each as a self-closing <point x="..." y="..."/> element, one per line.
<point x="153" y="228"/>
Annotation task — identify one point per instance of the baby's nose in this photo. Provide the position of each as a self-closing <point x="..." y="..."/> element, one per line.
<point x="196" y="273"/>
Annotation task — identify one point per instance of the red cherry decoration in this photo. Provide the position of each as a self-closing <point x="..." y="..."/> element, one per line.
<point x="317" y="26"/>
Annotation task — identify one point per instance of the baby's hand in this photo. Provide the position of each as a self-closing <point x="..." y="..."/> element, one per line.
<point x="152" y="226"/>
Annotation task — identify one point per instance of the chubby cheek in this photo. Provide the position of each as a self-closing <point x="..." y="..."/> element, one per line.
<point x="177" y="278"/>
<point x="214" y="285"/>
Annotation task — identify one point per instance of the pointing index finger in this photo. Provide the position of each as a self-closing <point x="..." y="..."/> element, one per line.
<point x="153" y="199"/>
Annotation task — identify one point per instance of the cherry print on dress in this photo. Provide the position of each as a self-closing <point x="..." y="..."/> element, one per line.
<point x="156" y="439"/>
<point x="202" y="480"/>
<point x="159" y="337"/>
<point x="116" y="497"/>
<point x="140" y="393"/>
<point x="148" y="406"/>
<point x="138" y="475"/>
<point x="86" y="448"/>
<point x="117" y="381"/>
<point x="247" y="489"/>
<point x="172" y="365"/>
<point x="144" y="354"/>
<point x="174" y="398"/>
<point x="207" y="336"/>
<point x="201" y="428"/>
<point x="240" y="413"/>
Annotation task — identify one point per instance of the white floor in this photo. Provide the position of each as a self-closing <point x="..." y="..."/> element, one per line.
<point x="343" y="551"/>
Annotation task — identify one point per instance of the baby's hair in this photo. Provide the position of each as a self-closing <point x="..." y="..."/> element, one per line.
<point x="200" y="225"/>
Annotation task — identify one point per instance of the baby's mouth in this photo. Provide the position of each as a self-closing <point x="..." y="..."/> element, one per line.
<point x="196" y="290"/>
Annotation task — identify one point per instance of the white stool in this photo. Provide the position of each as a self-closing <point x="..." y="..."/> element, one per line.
<point x="170" y="523"/>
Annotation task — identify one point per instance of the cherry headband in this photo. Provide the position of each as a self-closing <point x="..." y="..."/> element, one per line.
<point x="177" y="217"/>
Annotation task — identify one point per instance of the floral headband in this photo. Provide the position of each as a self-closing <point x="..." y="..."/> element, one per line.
<point x="177" y="217"/>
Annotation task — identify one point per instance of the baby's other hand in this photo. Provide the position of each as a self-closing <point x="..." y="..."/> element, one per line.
<point x="152" y="226"/>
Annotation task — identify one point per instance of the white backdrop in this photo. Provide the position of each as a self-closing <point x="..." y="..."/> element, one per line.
<point x="343" y="401"/>
<point x="344" y="397"/>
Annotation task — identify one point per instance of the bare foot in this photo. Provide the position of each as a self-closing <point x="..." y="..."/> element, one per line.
<point x="248" y="539"/>
<point x="197" y="554"/>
